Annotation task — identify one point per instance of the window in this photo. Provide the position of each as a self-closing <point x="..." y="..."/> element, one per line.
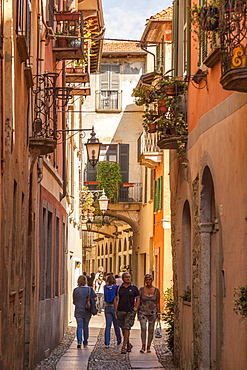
<point x="109" y="95"/>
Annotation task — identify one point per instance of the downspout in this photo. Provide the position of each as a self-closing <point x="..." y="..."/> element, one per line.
<point x="149" y="52"/>
<point x="62" y="195"/>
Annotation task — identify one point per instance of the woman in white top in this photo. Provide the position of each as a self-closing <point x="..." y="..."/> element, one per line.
<point x="99" y="290"/>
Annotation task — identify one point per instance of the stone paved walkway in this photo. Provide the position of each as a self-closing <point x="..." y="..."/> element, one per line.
<point x="96" y="357"/>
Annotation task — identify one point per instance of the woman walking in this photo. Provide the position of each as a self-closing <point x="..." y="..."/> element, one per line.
<point x="99" y="284"/>
<point x="110" y="315"/>
<point x="148" y="311"/>
<point x="81" y="314"/>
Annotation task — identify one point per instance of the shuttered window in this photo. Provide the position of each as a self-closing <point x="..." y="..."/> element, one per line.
<point x="109" y="87"/>
<point x="158" y="189"/>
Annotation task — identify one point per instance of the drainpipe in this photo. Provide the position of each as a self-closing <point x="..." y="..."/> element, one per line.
<point x="62" y="195"/>
<point x="149" y="52"/>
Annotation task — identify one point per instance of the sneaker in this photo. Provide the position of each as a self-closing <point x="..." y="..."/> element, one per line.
<point x="107" y="346"/>
<point x="78" y="345"/>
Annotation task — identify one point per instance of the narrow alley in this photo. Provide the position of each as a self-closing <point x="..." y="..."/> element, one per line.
<point x="96" y="357"/>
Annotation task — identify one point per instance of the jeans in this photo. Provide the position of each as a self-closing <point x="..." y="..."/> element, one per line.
<point x="82" y="325"/>
<point x="110" y="317"/>
<point x="100" y="301"/>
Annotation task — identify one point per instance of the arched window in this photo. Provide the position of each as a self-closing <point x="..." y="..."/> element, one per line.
<point x="110" y="247"/>
<point x="106" y="249"/>
<point x="102" y="250"/>
<point x="119" y="246"/>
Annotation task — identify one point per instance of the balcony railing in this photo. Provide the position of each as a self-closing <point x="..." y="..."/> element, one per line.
<point x="149" y="154"/>
<point x="109" y="100"/>
<point x="233" y="45"/>
<point x="147" y="143"/>
<point x="69" y="42"/>
<point x="129" y="192"/>
<point x="48" y="100"/>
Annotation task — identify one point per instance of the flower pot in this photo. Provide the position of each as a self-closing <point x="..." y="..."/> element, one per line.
<point x="152" y="127"/>
<point x="229" y="6"/>
<point x="78" y="70"/>
<point x="67" y="16"/>
<point x="69" y="70"/>
<point x="162" y="106"/>
<point x="170" y="90"/>
<point x="62" y="42"/>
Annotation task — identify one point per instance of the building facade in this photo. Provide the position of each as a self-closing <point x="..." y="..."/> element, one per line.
<point x="34" y="203"/>
<point x="208" y="192"/>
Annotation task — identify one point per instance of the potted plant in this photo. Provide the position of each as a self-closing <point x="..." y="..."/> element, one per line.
<point x="168" y="85"/>
<point x="186" y="296"/>
<point x="144" y="95"/>
<point x="61" y="40"/>
<point x="149" y="120"/>
<point x="240" y="304"/>
<point x="87" y="202"/>
<point x="79" y="66"/>
<point x="109" y="178"/>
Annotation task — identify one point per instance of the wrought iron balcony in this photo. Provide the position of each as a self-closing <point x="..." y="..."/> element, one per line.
<point x="69" y="42"/>
<point x="233" y="45"/>
<point x="149" y="154"/>
<point x="48" y="100"/>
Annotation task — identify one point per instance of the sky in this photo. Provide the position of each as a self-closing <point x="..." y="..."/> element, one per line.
<point x="126" y="19"/>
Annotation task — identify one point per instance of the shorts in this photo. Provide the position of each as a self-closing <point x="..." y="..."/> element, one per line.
<point x="126" y="319"/>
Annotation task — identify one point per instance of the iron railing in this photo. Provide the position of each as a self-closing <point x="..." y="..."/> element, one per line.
<point x="233" y="34"/>
<point x="48" y="99"/>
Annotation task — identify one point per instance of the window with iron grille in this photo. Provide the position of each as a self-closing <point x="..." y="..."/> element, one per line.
<point x="109" y="94"/>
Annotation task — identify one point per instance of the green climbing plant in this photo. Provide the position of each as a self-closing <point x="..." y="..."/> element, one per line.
<point x="168" y="317"/>
<point x="109" y="178"/>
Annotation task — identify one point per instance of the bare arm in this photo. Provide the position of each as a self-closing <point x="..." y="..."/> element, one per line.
<point x="115" y="303"/>
<point x="158" y="303"/>
<point x="137" y="304"/>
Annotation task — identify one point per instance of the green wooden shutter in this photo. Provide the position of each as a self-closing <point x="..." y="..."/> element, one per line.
<point x="160" y="193"/>
<point x="156" y="196"/>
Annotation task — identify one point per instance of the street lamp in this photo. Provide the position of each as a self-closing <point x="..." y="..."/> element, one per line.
<point x="93" y="148"/>
<point x="103" y="202"/>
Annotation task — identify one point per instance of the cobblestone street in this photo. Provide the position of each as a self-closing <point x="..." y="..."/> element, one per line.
<point x="96" y="357"/>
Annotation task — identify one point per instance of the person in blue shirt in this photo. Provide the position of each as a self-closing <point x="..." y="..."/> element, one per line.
<point x="110" y="315"/>
<point x="81" y="314"/>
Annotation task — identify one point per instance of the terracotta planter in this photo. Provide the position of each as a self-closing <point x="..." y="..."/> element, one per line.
<point x="67" y="16"/>
<point x="170" y="90"/>
<point x="162" y="106"/>
<point x="152" y="127"/>
<point x="69" y="70"/>
<point x="78" y="69"/>
<point x="62" y="42"/>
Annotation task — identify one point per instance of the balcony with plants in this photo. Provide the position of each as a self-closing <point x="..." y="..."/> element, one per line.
<point x="165" y="110"/>
<point x="69" y="31"/>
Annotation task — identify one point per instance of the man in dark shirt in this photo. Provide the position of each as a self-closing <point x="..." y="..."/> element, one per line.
<point x="126" y="304"/>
